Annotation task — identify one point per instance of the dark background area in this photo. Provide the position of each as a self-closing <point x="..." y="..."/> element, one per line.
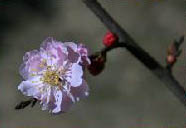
<point x="126" y="94"/>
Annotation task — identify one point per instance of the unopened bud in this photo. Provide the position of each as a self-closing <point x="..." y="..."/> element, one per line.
<point x="171" y="59"/>
<point x="109" y="39"/>
<point x="97" y="64"/>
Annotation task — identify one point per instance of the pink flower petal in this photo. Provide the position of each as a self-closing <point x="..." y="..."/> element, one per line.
<point x="81" y="91"/>
<point x="71" y="45"/>
<point x="30" y="87"/>
<point x="73" y="56"/>
<point x="63" y="102"/>
<point x="31" y="64"/>
<point x="84" y="55"/>
<point x="76" y="76"/>
<point x="54" y="50"/>
<point x="58" y="98"/>
<point x="67" y="102"/>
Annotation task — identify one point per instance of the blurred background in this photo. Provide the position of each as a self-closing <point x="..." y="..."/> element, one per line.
<point x="126" y="94"/>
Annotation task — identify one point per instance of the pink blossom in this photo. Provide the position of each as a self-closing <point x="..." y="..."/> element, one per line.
<point x="54" y="74"/>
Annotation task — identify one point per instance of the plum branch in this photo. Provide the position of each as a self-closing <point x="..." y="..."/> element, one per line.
<point x="161" y="72"/>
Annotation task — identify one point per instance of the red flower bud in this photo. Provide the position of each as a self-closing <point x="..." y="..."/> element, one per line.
<point x="171" y="59"/>
<point x="97" y="64"/>
<point x="109" y="39"/>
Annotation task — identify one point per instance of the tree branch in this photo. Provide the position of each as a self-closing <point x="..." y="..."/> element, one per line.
<point x="158" y="70"/>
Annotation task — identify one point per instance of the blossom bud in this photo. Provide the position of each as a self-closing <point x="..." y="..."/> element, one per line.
<point x="97" y="64"/>
<point x="109" y="39"/>
<point x="171" y="59"/>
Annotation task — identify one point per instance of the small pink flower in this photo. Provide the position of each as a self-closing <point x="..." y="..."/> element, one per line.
<point x="54" y="74"/>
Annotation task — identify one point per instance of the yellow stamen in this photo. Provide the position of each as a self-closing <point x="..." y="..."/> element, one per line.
<point x="51" y="77"/>
<point x="34" y="70"/>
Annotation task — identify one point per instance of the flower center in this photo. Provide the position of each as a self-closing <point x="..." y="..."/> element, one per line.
<point x="51" y="77"/>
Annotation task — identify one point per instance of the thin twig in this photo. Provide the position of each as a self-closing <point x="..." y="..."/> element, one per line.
<point x="158" y="70"/>
<point x="116" y="45"/>
<point x="173" y="53"/>
<point x="107" y="49"/>
<point x="178" y="44"/>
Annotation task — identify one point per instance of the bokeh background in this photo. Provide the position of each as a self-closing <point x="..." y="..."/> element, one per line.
<point x="126" y="94"/>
